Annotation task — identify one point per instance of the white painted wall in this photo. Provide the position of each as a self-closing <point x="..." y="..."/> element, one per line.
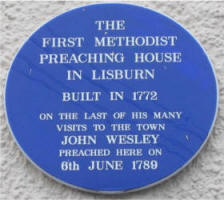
<point x="202" y="179"/>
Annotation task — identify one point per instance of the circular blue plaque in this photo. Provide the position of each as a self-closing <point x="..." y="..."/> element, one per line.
<point x="111" y="98"/>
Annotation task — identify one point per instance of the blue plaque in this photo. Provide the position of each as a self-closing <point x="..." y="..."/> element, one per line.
<point x="111" y="98"/>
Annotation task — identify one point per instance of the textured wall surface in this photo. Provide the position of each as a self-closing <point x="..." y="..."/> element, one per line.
<point x="201" y="179"/>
